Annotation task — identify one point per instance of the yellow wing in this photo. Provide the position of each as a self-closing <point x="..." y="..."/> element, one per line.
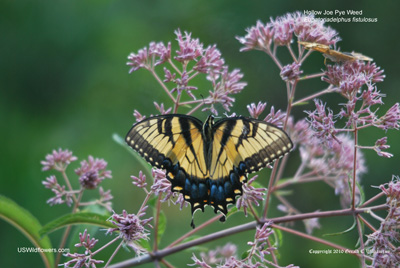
<point x="175" y="143"/>
<point x="251" y="142"/>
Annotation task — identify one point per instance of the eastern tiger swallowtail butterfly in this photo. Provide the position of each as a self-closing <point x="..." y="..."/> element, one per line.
<point x="334" y="55"/>
<point x="208" y="162"/>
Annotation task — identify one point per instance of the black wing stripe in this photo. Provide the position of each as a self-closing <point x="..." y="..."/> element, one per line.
<point x="229" y="125"/>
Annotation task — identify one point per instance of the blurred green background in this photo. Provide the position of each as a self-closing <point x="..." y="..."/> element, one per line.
<point x="64" y="83"/>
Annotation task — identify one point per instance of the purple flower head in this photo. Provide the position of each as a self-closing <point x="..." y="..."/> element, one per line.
<point x="86" y="242"/>
<point x="230" y="81"/>
<point x="217" y="256"/>
<point x="261" y="237"/>
<point x="86" y="259"/>
<point x="180" y="200"/>
<point x="145" y="57"/>
<point x="374" y="72"/>
<point x="58" y="160"/>
<point x="381" y="145"/>
<point x="250" y="195"/>
<point x="392" y="189"/>
<point x="168" y="76"/>
<point x="233" y="262"/>
<point x="391" y="120"/>
<point x="139" y="60"/>
<point x="308" y="28"/>
<point x="257" y="37"/>
<point x="254" y="110"/>
<point x="322" y="123"/>
<point x="189" y="48"/>
<point x="283" y="29"/>
<point x="276" y="118"/>
<point x="220" y="97"/>
<point x="334" y="162"/>
<point x="161" y="108"/>
<point x="159" y="50"/>
<point x="139" y="181"/>
<point x="350" y="76"/>
<point x="182" y="85"/>
<point x="51" y="182"/>
<point x="161" y="184"/>
<point x="291" y="72"/>
<point x="340" y="162"/>
<point x="131" y="228"/>
<point x="92" y="172"/>
<point x="382" y="240"/>
<point x="199" y="263"/>
<point x="371" y="96"/>
<point x="61" y="196"/>
<point x="210" y="63"/>
<point x="300" y="132"/>
<point x="139" y="117"/>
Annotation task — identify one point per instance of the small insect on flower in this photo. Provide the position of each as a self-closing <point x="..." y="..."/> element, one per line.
<point x="335" y="55"/>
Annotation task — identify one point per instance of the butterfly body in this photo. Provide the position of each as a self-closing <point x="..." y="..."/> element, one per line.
<point x="208" y="162"/>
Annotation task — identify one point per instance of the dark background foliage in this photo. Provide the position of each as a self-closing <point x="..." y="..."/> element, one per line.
<point x="64" y="83"/>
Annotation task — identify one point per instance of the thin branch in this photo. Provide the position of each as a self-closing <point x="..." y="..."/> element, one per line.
<point x="310" y="97"/>
<point x="193" y="231"/>
<point x="114" y="253"/>
<point x="156" y="223"/>
<point x="237" y="229"/>
<point x="162" y="85"/>
<point x="292" y="53"/>
<point x="361" y="237"/>
<point x="353" y="194"/>
<point x="369" y="201"/>
<point x="195" y="108"/>
<point x="190" y="102"/>
<point x="311" y="76"/>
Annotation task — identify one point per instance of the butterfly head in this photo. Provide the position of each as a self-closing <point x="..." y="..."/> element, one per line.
<point x="208" y="126"/>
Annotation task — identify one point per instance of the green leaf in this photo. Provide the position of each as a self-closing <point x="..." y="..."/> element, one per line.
<point x="145" y="244"/>
<point x="162" y="226"/>
<point x="244" y="255"/>
<point x="27" y="224"/>
<point x="278" y="238"/>
<point x="301" y="103"/>
<point x="152" y="202"/>
<point x="283" y="192"/>
<point x="362" y="194"/>
<point x="343" y="232"/>
<point x="232" y="211"/>
<point x="256" y="184"/>
<point x="77" y="218"/>
<point x="197" y="249"/>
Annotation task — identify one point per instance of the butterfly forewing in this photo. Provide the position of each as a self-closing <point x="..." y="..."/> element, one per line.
<point x="173" y="137"/>
<point x="252" y="142"/>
